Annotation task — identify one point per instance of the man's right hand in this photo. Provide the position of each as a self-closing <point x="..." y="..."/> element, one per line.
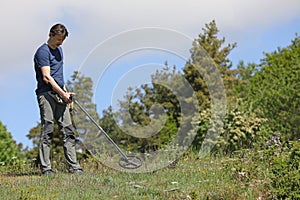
<point x="67" y="97"/>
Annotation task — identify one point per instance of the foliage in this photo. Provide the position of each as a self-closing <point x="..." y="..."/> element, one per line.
<point x="150" y="114"/>
<point x="273" y="91"/>
<point x="139" y="109"/>
<point x="208" y="50"/>
<point x="245" y="73"/>
<point x="34" y="136"/>
<point x="9" y="150"/>
<point x="241" y="130"/>
<point x="285" y="173"/>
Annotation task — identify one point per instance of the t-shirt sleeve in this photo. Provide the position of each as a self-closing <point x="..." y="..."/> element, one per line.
<point x="42" y="57"/>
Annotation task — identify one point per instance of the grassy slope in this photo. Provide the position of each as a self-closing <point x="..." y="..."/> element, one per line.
<point x="210" y="178"/>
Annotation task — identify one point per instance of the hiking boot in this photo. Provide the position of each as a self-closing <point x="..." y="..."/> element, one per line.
<point x="77" y="171"/>
<point x="48" y="172"/>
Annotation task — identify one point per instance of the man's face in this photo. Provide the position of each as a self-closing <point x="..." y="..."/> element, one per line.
<point x="57" y="40"/>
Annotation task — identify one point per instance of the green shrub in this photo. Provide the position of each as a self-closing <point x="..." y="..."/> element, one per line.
<point x="285" y="173"/>
<point x="241" y="130"/>
<point x="9" y="150"/>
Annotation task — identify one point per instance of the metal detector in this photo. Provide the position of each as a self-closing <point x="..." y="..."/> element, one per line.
<point x="126" y="162"/>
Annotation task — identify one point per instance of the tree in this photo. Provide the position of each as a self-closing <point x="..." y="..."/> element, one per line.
<point x="149" y="114"/>
<point x="9" y="150"/>
<point x="245" y="72"/>
<point x="273" y="92"/>
<point x="209" y="73"/>
<point x="34" y="136"/>
<point x="208" y="50"/>
<point x="82" y="87"/>
<point x="208" y="58"/>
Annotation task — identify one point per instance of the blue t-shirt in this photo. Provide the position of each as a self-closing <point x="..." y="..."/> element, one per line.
<point x="45" y="56"/>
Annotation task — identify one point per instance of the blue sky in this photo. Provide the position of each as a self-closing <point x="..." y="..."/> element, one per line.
<point x="257" y="26"/>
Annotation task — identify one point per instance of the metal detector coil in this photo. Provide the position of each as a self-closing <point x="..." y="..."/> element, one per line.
<point x="130" y="162"/>
<point x="126" y="162"/>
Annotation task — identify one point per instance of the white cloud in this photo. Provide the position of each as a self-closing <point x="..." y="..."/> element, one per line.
<point x="184" y="15"/>
<point x="25" y="24"/>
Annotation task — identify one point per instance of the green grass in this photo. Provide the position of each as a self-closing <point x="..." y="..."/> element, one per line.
<point x="208" y="178"/>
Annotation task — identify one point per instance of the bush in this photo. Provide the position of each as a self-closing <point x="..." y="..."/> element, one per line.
<point x="9" y="150"/>
<point x="285" y="173"/>
<point x="241" y="130"/>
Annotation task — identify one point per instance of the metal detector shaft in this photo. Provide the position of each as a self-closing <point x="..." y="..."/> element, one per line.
<point x="100" y="128"/>
<point x="128" y="162"/>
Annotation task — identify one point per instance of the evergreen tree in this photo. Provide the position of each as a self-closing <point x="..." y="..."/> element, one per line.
<point x="208" y="56"/>
<point x="208" y="50"/>
<point x="82" y="87"/>
<point x="209" y="73"/>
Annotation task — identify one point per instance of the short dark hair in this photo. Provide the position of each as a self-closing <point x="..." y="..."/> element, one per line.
<point x="59" y="29"/>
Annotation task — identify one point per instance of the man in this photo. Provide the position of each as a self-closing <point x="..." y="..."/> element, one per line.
<point x="53" y="100"/>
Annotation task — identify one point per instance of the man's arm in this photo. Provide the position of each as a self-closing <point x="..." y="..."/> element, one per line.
<point x="50" y="80"/>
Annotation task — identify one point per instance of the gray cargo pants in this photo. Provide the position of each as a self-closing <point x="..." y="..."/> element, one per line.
<point x="51" y="110"/>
